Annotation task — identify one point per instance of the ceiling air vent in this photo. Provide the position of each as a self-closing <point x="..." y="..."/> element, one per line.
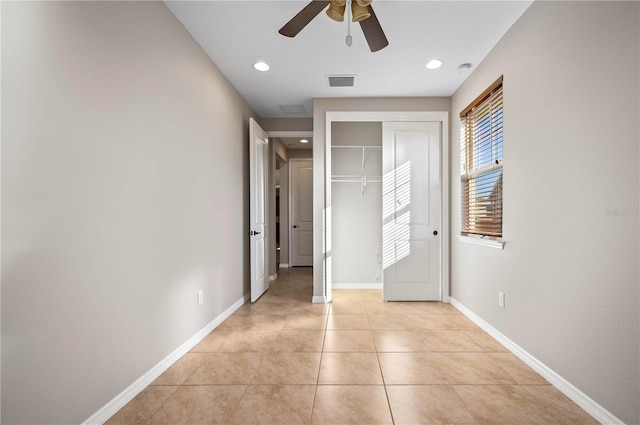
<point x="292" y="109"/>
<point x="341" y="80"/>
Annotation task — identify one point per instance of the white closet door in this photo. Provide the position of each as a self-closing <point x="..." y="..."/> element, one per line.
<point x="411" y="201"/>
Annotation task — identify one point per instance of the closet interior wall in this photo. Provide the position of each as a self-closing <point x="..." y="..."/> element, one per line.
<point x="356" y="204"/>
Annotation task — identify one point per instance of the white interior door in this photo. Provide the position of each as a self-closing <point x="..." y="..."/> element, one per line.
<point x="301" y="172"/>
<point x="411" y="201"/>
<point x="258" y="155"/>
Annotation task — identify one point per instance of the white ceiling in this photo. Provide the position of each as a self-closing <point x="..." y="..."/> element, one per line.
<point x="236" y="34"/>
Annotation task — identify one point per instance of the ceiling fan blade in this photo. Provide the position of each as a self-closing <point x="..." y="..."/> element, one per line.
<point x="298" y="22"/>
<point x="373" y="32"/>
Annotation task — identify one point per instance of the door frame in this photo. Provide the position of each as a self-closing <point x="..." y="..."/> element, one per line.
<point x="322" y="191"/>
<point x="288" y="134"/>
<point x="290" y="212"/>
<point x="284" y="212"/>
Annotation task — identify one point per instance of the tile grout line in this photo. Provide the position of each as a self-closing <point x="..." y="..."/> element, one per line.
<point x="163" y="403"/>
<point x="384" y="384"/>
<point x="315" y="392"/>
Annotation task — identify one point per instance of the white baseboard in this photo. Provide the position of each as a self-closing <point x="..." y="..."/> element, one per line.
<point x="273" y="277"/>
<point x="284" y="265"/>
<point x="581" y="399"/>
<point x="318" y="299"/>
<point x="373" y="285"/>
<point x="119" y="401"/>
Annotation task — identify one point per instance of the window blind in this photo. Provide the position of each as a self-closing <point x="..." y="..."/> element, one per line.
<point x="481" y="163"/>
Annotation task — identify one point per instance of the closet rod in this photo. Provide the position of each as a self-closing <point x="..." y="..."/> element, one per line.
<point x="356" y="179"/>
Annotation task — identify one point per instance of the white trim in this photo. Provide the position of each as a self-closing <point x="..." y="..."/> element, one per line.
<point x="319" y="299"/>
<point x="273" y="277"/>
<point x="0" y="209"/>
<point x="385" y="116"/>
<point x="372" y="285"/>
<point x="581" y="399"/>
<point x="491" y="243"/>
<point x="119" y="401"/>
<point x="445" y="146"/>
<point x="284" y="266"/>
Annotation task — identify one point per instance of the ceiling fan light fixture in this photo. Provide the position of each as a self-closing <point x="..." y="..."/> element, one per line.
<point x="336" y="11"/>
<point x="359" y="13"/>
<point x="364" y="3"/>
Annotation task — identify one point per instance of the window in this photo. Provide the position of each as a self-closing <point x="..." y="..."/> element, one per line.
<point x="481" y="164"/>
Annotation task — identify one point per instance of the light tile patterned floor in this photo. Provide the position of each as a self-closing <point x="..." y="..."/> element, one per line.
<point x="283" y="360"/>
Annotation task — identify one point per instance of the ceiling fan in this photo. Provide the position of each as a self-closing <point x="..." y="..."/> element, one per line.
<point x="361" y="11"/>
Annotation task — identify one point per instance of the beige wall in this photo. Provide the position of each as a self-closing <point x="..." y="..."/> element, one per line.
<point x="300" y="153"/>
<point x="278" y="150"/>
<point x="124" y="164"/>
<point x="282" y="152"/>
<point x="571" y="170"/>
<point x="287" y="124"/>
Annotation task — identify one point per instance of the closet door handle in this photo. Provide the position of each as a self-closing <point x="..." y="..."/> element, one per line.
<point x="295" y="226"/>
<point x="435" y="233"/>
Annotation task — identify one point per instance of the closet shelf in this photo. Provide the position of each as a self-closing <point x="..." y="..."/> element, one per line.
<point x="356" y="147"/>
<point x="363" y="180"/>
<point x="355" y="179"/>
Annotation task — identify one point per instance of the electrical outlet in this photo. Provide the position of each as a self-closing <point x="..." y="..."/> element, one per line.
<point x="200" y="297"/>
<point x="501" y="299"/>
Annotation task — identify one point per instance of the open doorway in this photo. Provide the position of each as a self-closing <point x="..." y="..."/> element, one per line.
<point x="282" y="216"/>
<point x="287" y="148"/>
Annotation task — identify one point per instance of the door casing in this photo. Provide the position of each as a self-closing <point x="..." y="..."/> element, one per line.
<point x="322" y="194"/>
<point x="292" y="198"/>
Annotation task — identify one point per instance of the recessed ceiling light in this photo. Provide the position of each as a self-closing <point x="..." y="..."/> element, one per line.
<point x="434" y="64"/>
<point x="304" y="141"/>
<point x="261" y="66"/>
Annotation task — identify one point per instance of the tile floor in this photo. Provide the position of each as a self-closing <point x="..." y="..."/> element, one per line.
<point x="358" y="360"/>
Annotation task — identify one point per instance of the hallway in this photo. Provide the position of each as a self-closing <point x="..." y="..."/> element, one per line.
<point x="357" y="360"/>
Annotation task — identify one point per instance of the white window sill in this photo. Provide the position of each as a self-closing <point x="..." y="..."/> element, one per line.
<point x="491" y="243"/>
